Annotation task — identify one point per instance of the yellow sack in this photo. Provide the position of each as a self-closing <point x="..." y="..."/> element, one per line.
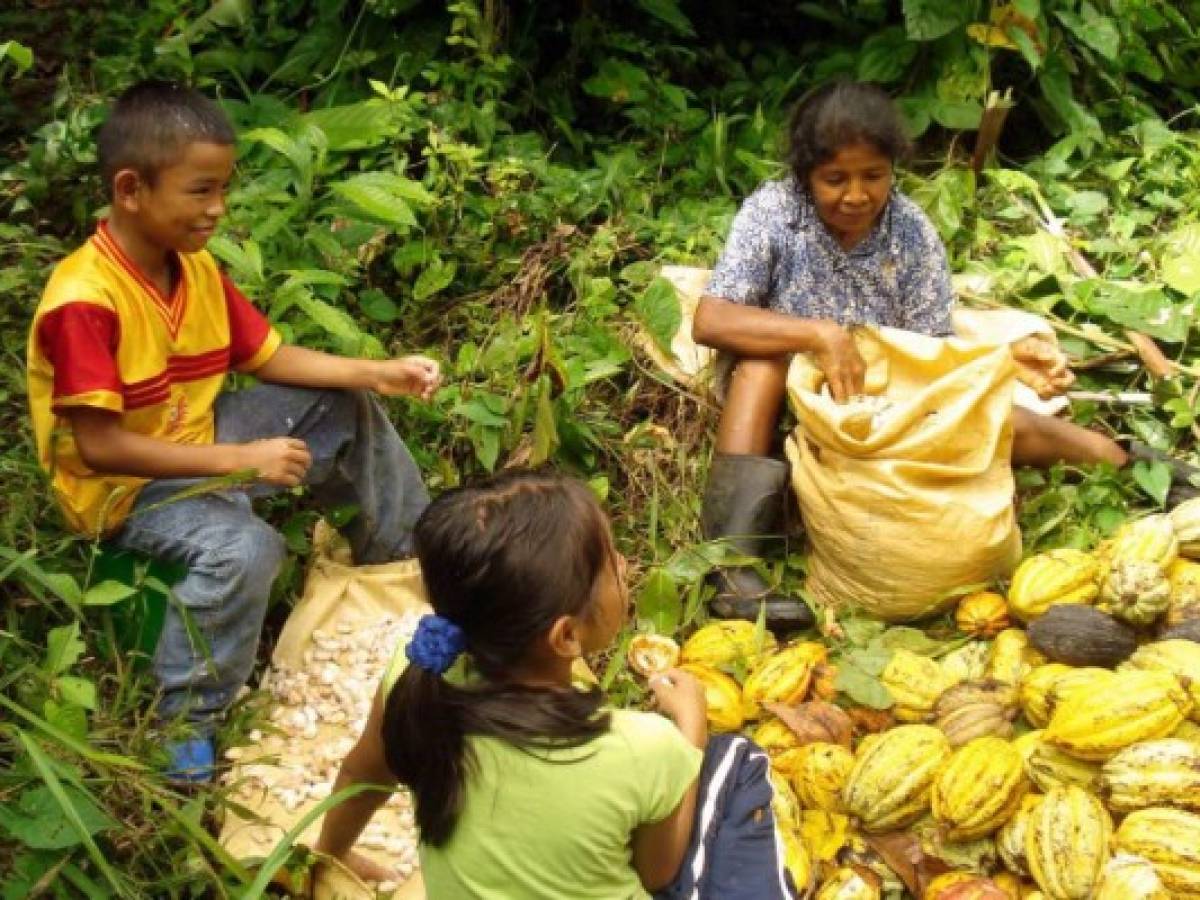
<point x="907" y="495"/>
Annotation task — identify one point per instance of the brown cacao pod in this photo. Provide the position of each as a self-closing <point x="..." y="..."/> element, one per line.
<point x="1082" y="636"/>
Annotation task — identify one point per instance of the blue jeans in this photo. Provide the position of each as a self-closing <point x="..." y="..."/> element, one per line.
<point x="232" y="556"/>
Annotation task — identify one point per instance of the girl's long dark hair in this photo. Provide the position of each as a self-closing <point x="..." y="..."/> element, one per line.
<point x="502" y="560"/>
<point x="839" y="113"/>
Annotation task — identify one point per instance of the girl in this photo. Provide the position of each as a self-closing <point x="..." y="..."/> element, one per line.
<point x="524" y="786"/>
<point x="831" y="245"/>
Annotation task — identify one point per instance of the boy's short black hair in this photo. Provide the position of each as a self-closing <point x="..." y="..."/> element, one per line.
<point x="839" y="113"/>
<point x="150" y="125"/>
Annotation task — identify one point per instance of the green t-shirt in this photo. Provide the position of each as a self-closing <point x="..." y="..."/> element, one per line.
<point x="556" y="824"/>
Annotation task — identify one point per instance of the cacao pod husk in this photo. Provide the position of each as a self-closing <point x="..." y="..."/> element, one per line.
<point x="966" y="663"/>
<point x="722" y="696"/>
<point x="1165" y="772"/>
<point x="819" y="774"/>
<point x="1169" y="839"/>
<point x="1066" y="843"/>
<point x="797" y="860"/>
<point x="729" y="642"/>
<point x="893" y="775"/>
<point x="1187" y="630"/>
<point x="1047" y="686"/>
<point x="1082" y="636"/>
<point x="815" y="721"/>
<point x="978" y="789"/>
<point x="782" y="677"/>
<point x="984" y="614"/>
<point x="1057" y="576"/>
<point x="848" y="884"/>
<point x="650" y="654"/>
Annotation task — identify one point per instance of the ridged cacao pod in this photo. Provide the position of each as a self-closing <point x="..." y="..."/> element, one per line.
<point x="1184" y="578"/>
<point x="1187" y="630"/>
<point x="1180" y="658"/>
<point x="1185" y="519"/>
<point x="977" y="720"/>
<point x="1130" y="878"/>
<point x="893" y="774"/>
<point x="972" y="887"/>
<point x="1066" y="843"/>
<point x="970" y="693"/>
<point x="915" y="683"/>
<point x="1153" y="773"/>
<point x="728" y="643"/>
<point x="784" y="804"/>
<point x="1010" y="839"/>
<point x="1011" y="885"/>
<point x="978" y="789"/>
<point x="1150" y="539"/>
<point x="936" y="888"/>
<point x="722" y="694"/>
<point x="650" y="654"/>
<point x="1169" y="839"/>
<point x="775" y="737"/>
<point x="1082" y="636"/>
<point x="1136" y="706"/>
<point x="782" y="677"/>
<point x="1188" y="731"/>
<point x="1012" y="656"/>
<point x="819" y="774"/>
<point x="982" y="615"/>
<point x="966" y="663"/>
<point x="1049" y="768"/>
<point x="1135" y="592"/>
<point x="797" y="860"/>
<point x="847" y="884"/>
<point x="1047" y="686"/>
<point x="1057" y="576"/>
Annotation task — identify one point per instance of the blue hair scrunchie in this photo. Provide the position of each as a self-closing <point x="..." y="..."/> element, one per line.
<point x="436" y="644"/>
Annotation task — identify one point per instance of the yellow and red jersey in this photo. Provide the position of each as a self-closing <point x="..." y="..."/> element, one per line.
<point x="104" y="336"/>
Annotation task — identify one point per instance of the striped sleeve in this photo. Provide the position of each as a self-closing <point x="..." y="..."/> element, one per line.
<point x="80" y="342"/>
<point x="252" y="340"/>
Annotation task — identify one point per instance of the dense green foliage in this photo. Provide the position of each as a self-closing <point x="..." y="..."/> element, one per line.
<point x="497" y="184"/>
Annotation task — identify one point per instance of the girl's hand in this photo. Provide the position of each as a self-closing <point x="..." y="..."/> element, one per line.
<point x="680" y="695"/>
<point x="838" y="359"/>
<point x="412" y="376"/>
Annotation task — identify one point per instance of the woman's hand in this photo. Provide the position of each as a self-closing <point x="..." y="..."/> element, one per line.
<point x="838" y="359"/>
<point x="680" y="695"/>
<point x="412" y="376"/>
<point x="1042" y="366"/>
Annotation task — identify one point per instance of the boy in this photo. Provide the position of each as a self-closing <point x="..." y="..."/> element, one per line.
<point x="127" y="355"/>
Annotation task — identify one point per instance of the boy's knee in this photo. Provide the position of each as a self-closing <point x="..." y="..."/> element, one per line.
<point x="253" y="559"/>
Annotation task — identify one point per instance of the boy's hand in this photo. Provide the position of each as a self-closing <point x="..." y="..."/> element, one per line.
<point x="411" y="376"/>
<point x="681" y="696"/>
<point x="838" y="359"/>
<point x="283" y="460"/>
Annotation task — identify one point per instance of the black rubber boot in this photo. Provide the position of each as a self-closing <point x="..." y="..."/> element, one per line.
<point x="1184" y="476"/>
<point x="743" y="503"/>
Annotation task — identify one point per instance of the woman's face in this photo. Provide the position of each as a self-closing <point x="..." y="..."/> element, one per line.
<point x="850" y="190"/>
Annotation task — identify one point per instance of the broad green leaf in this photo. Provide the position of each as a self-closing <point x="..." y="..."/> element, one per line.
<point x="885" y="56"/>
<point x="357" y="125"/>
<point x="20" y="55"/>
<point x="79" y="691"/>
<point x="67" y="718"/>
<point x="960" y="115"/>
<point x="1146" y="308"/>
<point x="331" y="318"/>
<point x="1182" y="273"/>
<point x="106" y="593"/>
<point x="37" y="820"/>
<point x="658" y="310"/>
<point x="545" y="427"/>
<point x="1096" y="31"/>
<point x="927" y="20"/>
<point x="668" y="11"/>
<point x="378" y="306"/>
<point x="619" y="81"/>
<point x="902" y="637"/>
<point x="245" y="258"/>
<point x="64" y="647"/>
<point x="659" y="603"/>
<point x="436" y="276"/>
<point x="384" y="196"/>
<point x="861" y="687"/>
<point x="1153" y="477"/>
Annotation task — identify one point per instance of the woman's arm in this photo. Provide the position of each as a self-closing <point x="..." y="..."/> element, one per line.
<point x="748" y="331"/>
<point x="365" y="764"/>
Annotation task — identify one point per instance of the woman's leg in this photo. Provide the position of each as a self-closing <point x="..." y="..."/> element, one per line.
<point x="1041" y="441"/>
<point x="752" y="406"/>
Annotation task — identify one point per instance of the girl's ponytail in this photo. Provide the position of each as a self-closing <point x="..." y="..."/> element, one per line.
<point x="502" y="562"/>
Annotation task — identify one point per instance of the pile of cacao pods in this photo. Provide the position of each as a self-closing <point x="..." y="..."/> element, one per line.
<point x="1055" y="753"/>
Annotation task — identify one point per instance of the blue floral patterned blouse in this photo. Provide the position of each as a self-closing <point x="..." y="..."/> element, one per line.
<point x="779" y="255"/>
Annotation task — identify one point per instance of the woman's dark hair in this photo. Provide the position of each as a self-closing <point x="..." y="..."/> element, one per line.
<point x="152" y="123"/>
<point x="503" y="560"/>
<point x="839" y="113"/>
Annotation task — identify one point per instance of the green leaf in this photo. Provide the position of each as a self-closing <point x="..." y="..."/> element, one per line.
<point x="668" y="12"/>
<point x="927" y="20"/>
<point x="384" y="197"/>
<point x="1146" y="308"/>
<point x="63" y="648"/>
<point x="335" y="320"/>
<point x="356" y="126"/>
<point x="902" y="637"/>
<point x="862" y="688"/>
<point x="378" y="306"/>
<point x="68" y="718"/>
<point x="658" y="310"/>
<point x="619" y="81"/>
<point x="436" y="276"/>
<point x="20" y="55"/>
<point x="885" y="56"/>
<point x="1153" y="477"/>
<point x="1096" y="31"/>
<point x="545" y="428"/>
<point x="38" y="822"/>
<point x="106" y="593"/>
<point x="959" y="115"/>
<point x="659" y="603"/>
<point x="79" y="691"/>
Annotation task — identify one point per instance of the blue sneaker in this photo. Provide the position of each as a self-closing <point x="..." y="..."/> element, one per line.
<point x="192" y="761"/>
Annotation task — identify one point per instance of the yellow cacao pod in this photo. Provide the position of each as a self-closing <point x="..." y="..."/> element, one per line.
<point x="1135" y="592"/>
<point x="1010" y="839"/>
<point x="893" y="774"/>
<point x="1057" y="576"/>
<point x="1129" y="877"/>
<point x="1153" y="773"/>
<point x="978" y="789"/>
<point x="1012" y="657"/>
<point x="1147" y="540"/>
<point x="848" y="884"/>
<point x="1169" y="839"/>
<point x="650" y="654"/>
<point x="1066" y="843"/>
<point x="1184" y="578"/>
<point x="819" y="776"/>
<point x="982" y="615"/>
<point x="1185" y="519"/>
<point x="1011" y="885"/>
<point x="963" y="886"/>
<point x="783" y="802"/>
<point x="967" y="663"/>
<point x="1137" y="706"/>
<point x="1187" y="731"/>
<point x="915" y="683"/>
<point x="1047" y="686"/>
<point x="722" y="694"/>
<point x="782" y="677"/>
<point x="797" y="860"/>
<point x="824" y="833"/>
<point x="775" y="737"/>
<point x="732" y="642"/>
<point x="1179" y="657"/>
<point x="1048" y="767"/>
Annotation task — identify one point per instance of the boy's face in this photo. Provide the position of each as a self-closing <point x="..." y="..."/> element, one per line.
<point x="850" y="190"/>
<point x="181" y="208"/>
